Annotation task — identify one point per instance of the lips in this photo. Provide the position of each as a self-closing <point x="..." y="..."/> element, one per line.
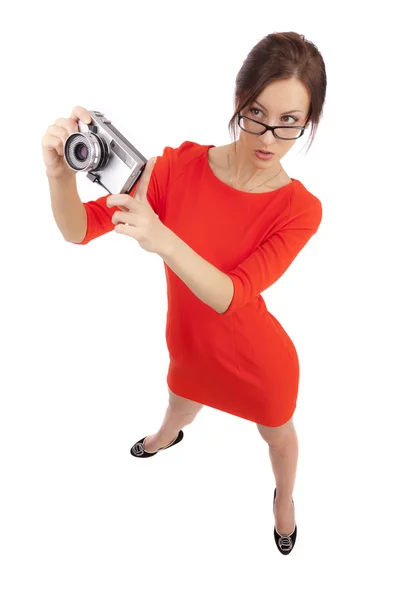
<point x="265" y="151"/>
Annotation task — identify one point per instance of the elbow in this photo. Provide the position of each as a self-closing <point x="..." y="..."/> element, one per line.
<point x="227" y="296"/>
<point x="83" y="242"/>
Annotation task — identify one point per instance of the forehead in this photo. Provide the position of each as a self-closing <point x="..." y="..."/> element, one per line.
<point x="284" y="95"/>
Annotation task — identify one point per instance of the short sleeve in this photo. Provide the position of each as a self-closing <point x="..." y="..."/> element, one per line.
<point x="271" y="259"/>
<point x="99" y="215"/>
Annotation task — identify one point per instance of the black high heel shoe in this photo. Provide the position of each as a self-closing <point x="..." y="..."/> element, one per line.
<point x="139" y="451"/>
<point x="285" y="543"/>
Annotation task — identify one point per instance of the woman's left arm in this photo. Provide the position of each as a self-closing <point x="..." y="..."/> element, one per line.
<point x="207" y="282"/>
<point x="229" y="292"/>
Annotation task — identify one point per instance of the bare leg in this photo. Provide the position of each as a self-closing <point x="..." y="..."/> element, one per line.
<point x="180" y="412"/>
<point x="283" y="452"/>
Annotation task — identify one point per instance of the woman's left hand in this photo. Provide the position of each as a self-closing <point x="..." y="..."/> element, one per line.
<point x="139" y="220"/>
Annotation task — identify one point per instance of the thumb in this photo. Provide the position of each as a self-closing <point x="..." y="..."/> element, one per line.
<point x="142" y="198"/>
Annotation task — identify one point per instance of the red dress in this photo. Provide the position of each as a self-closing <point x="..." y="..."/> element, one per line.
<point x="242" y="361"/>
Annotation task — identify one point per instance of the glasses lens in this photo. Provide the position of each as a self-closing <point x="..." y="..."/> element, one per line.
<point x="286" y="133"/>
<point x="290" y="133"/>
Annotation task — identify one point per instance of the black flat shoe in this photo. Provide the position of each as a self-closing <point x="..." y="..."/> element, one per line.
<point x="139" y="451"/>
<point x="285" y="543"/>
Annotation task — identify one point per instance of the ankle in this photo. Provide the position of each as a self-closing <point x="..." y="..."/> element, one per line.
<point x="283" y="501"/>
<point x="164" y="438"/>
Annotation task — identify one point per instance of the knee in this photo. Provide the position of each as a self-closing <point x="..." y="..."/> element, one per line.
<point x="280" y="439"/>
<point x="183" y="405"/>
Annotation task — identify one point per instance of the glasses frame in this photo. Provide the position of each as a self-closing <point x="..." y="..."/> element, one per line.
<point x="272" y="128"/>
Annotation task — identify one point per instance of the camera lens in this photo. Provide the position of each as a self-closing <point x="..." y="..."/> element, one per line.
<point x="86" y="151"/>
<point x="81" y="151"/>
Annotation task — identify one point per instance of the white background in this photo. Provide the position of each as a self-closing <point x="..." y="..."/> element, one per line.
<point x="84" y="358"/>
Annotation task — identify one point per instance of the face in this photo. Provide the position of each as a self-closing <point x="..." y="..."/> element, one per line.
<point x="280" y="103"/>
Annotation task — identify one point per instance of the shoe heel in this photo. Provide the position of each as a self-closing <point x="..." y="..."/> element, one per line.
<point x="284" y="543"/>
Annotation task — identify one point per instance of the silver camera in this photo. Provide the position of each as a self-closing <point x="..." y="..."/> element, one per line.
<point x="105" y="154"/>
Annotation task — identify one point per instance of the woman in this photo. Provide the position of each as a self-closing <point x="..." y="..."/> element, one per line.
<point x="232" y="222"/>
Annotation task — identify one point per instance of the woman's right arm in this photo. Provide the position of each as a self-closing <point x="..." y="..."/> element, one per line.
<point x="68" y="210"/>
<point x="81" y="222"/>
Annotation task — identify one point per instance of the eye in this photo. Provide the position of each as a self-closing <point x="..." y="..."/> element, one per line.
<point x="290" y="117"/>
<point x="257" y="110"/>
<point x="253" y="110"/>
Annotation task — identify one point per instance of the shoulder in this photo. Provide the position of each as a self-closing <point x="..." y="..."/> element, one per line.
<point x="304" y="205"/>
<point x="185" y="153"/>
<point x="169" y="166"/>
<point x="174" y="160"/>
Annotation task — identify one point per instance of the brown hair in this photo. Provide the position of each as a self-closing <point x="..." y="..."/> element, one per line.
<point x="280" y="56"/>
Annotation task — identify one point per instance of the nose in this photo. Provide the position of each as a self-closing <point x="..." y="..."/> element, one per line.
<point x="267" y="138"/>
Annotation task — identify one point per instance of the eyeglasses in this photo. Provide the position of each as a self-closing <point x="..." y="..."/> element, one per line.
<point x="282" y="132"/>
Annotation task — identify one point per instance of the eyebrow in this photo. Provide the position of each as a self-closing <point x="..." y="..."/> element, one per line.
<point x="285" y="113"/>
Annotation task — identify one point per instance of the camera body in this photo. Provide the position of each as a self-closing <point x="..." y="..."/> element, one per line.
<point x="102" y="152"/>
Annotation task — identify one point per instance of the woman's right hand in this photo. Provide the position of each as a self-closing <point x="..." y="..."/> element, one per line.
<point x="54" y="139"/>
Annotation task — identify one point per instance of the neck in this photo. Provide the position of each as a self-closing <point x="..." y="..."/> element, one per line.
<point x="244" y="173"/>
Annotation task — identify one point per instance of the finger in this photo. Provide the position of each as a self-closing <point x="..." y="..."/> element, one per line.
<point x="53" y="142"/>
<point x="145" y="178"/>
<point x="124" y="228"/>
<point x="68" y="124"/>
<point x="120" y="200"/>
<point x="122" y="217"/>
<point x="82" y="114"/>
<point x="59" y="132"/>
